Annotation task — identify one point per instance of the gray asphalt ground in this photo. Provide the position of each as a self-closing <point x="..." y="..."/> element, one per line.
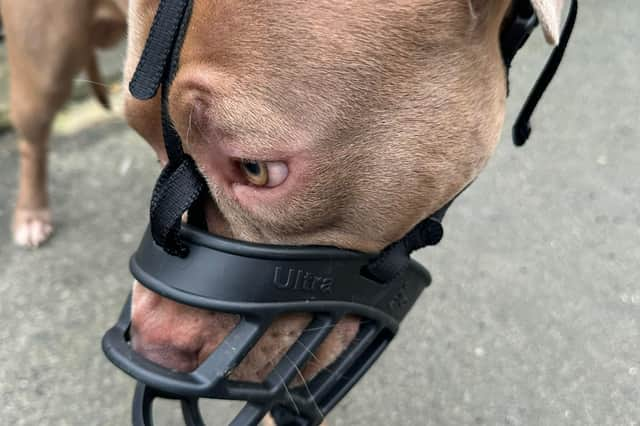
<point x="533" y="317"/>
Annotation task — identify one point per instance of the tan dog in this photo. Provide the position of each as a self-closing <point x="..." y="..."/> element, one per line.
<point x="49" y="42"/>
<point x="359" y="118"/>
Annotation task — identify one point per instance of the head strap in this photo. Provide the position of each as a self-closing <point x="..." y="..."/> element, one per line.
<point x="522" y="127"/>
<point x="517" y="28"/>
<point x="167" y="31"/>
<point x="180" y="184"/>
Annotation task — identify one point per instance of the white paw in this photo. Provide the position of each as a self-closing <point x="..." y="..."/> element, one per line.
<point x="31" y="228"/>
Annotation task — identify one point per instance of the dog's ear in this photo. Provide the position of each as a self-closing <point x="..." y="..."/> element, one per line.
<point x="549" y="14"/>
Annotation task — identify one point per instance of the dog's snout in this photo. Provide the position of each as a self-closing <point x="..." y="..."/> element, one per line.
<point x="181" y="337"/>
<point x="165" y="354"/>
<point x="173" y="335"/>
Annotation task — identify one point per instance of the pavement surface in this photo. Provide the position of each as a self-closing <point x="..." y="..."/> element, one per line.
<point x="533" y="317"/>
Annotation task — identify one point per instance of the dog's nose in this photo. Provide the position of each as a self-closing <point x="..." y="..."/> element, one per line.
<point x="173" y="335"/>
<point x="164" y="353"/>
<point x="181" y="337"/>
<point x="155" y="336"/>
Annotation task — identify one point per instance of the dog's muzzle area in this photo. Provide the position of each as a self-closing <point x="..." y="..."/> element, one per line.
<point x="259" y="283"/>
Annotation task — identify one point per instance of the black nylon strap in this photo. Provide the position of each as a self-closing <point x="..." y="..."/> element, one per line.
<point x="157" y="51"/>
<point x="180" y="184"/>
<point x="518" y="27"/>
<point x="522" y="127"/>
<point x="172" y="141"/>
<point x="175" y="191"/>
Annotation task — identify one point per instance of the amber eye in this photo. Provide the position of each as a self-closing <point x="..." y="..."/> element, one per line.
<point x="256" y="172"/>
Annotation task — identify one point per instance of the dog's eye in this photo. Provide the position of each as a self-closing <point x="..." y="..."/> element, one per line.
<point x="255" y="171"/>
<point x="262" y="173"/>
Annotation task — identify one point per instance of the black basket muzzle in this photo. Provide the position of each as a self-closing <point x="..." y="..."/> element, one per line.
<point x="259" y="283"/>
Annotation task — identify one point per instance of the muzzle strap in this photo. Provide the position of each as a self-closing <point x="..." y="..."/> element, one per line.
<point x="180" y="184"/>
<point x="152" y="67"/>
<point x="517" y="29"/>
<point x="395" y="259"/>
<point x="176" y="190"/>
<point x="522" y="127"/>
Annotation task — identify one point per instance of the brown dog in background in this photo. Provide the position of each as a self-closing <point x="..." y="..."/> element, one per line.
<point x="48" y="43"/>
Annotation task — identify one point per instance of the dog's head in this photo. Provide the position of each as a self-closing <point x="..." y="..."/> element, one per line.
<point x="330" y="122"/>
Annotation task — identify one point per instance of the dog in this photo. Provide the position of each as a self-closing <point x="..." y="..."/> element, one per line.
<point x="330" y="123"/>
<point x="48" y="43"/>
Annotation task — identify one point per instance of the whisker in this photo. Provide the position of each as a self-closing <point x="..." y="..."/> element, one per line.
<point x="198" y="128"/>
<point x="306" y="348"/>
<point x="286" y="388"/>
<point x="189" y="127"/>
<point x="95" y="83"/>
<point x="304" y="382"/>
<point x="316" y="359"/>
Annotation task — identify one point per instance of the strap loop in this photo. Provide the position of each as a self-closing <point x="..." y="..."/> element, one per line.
<point x="180" y="184"/>
<point x="394" y="259"/>
<point x="176" y="190"/>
